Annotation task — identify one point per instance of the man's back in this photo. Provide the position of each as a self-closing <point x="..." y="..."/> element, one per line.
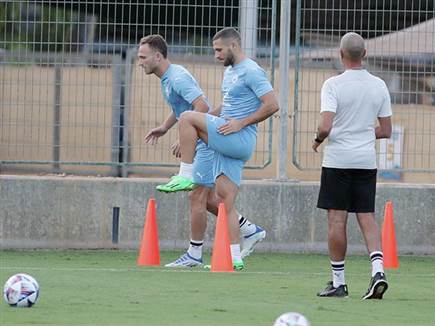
<point x="179" y="89"/>
<point x="358" y="99"/>
<point x="355" y="111"/>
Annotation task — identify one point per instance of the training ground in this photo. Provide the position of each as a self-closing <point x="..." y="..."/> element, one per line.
<point x="106" y="287"/>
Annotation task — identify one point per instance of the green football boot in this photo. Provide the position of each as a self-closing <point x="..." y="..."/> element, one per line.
<point x="177" y="183"/>
<point x="238" y="265"/>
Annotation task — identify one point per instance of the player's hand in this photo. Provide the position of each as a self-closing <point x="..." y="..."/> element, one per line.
<point x="315" y="145"/>
<point x="176" y="149"/>
<point x="232" y="126"/>
<point x="154" y="135"/>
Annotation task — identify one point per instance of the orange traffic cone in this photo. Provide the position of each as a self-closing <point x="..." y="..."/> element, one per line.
<point x="389" y="245"/>
<point x="221" y="256"/>
<point x="149" y="254"/>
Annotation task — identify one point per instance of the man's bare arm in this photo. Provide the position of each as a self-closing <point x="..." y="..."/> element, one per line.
<point x="324" y="128"/>
<point x="384" y="128"/>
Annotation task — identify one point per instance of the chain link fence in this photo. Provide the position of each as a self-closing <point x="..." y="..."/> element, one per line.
<point x="400" y="42"/>
<point x="72" y="96"/>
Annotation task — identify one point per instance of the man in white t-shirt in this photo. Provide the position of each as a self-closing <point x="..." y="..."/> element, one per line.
<point x="350" y="105"/>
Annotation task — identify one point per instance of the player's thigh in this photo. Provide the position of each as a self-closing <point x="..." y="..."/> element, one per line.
<point x="226" y="189"/>
<point x="239" y="145"/>
<point x="212" y="197"/>
<point x="198" y="198"/>
<point x="196" y="119"/>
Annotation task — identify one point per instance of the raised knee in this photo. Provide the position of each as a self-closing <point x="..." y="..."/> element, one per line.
<point x="185" y="116"/>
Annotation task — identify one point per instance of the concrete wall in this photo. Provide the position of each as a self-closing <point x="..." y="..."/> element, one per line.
<point x="76" y="212"/>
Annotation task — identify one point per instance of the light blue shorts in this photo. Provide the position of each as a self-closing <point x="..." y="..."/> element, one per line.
<point x="203" y="165"/>
<point x="232" y="151"/>
<point x="230" y="167"/>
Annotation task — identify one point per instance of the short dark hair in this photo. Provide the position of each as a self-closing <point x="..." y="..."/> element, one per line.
<point x="156" y="42"/>
<point x="227" y="33"/>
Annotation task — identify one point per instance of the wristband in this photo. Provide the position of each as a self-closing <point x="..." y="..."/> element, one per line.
<point x="318" y="140"/>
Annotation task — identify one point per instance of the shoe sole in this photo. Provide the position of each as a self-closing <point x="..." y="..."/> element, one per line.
<point x="169" y="191"/>
<point x="333" y="296"/>
<point x="378" y="290"/>
<point x="244" y="255"/>
<point x="182" y="266"/>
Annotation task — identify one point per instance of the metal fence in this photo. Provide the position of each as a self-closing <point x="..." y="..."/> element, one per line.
<point x="72" y="97"/>
<point x="400" y="42"/>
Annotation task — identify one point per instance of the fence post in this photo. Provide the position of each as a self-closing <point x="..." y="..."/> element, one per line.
<point x="296" y="89"/>
<point x="117" y="81"/>
<point x="248" y="26"/>
<point x="284" y="45"/>
<point x="56" y="117"/>
<point x="128" y="64"/>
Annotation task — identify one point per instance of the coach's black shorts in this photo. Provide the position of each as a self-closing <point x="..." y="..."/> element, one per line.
<point x="351" y="190"/>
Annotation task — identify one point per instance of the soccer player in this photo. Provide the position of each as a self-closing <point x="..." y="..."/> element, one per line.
<point x="248" y="98"/>
<point x="350" y="105"/>
<point x="182" y="93"/>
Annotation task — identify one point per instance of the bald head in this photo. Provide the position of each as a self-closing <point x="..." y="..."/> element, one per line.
<point x="352" y="47"/>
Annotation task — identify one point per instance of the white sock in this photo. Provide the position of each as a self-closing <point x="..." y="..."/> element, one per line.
<point x="195" y="248"/>
<point x="235" y="252"/>
<point x="186" y="170"/>
<point x="377" y="259"/>
<point x="337" y="273"/>
<point x="246" y="227"/>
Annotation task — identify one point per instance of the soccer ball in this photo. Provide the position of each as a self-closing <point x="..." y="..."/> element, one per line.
<point x="21" y="290"/>
<point x="291" y="319"/>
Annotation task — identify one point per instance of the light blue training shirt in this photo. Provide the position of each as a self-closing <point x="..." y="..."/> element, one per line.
<point x="179" y="89"/>
<point x="242" y="86"/>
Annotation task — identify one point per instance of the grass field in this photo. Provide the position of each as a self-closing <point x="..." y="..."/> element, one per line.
<point x="107" y="288"/>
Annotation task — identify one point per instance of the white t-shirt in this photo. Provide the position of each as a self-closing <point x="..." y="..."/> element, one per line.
<point x="358" y="98"/>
